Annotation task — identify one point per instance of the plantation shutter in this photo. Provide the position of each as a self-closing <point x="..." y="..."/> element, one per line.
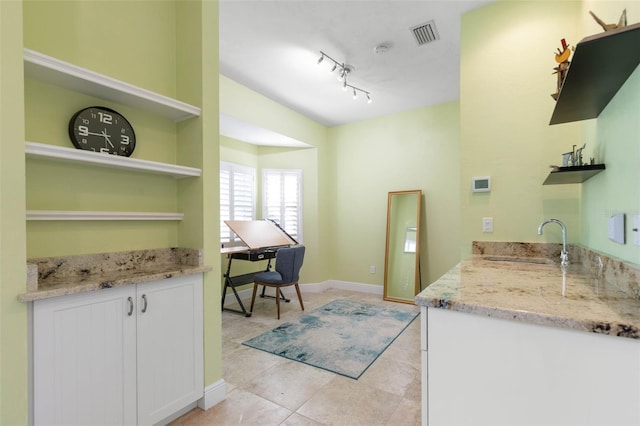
<point x="282" y="199"/>
<point x="237" y="195"/>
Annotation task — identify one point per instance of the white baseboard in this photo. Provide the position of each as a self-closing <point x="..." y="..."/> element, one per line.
<point x="213" y="394"/>
<point x="245" y="295"/>
<point x="347" y="285"/>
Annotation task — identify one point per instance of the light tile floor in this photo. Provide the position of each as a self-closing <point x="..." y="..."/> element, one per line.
<point x="265" y="389"/>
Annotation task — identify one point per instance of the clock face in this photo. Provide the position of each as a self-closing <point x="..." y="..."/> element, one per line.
<point x="102" y="129"/>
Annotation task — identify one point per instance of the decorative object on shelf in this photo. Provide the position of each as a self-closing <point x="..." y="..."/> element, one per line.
<point x="102" y="129"/>
<point x="622" y="22"/>
<point x="573" y="169"/>
<point x="343" y="71"/>
<point x="562" y="58"/>
<point x="573" y="158"/>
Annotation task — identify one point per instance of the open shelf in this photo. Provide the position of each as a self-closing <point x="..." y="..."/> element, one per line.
<point x="600" y="66"/>
<point x="41" y="150"/>
<point x="63" y="74"/>
<point x="575" y="174"/>
<point x="91" y="215"/>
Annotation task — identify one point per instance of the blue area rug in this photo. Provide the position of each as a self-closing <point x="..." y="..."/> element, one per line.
<point x="343" y="336"/>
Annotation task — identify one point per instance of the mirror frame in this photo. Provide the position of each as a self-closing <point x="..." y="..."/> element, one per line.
<point x="418" y="193"/>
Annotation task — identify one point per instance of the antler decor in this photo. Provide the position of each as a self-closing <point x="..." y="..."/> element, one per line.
<point x="622" y="22"/>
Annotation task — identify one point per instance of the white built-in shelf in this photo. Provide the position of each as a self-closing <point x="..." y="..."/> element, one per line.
<point x="41" y="150"/>
<point x="91" y="215"/>
<point x="63" y="74"/>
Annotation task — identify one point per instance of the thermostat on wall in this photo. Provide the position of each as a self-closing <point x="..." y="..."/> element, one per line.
<point x="481" y="184"/>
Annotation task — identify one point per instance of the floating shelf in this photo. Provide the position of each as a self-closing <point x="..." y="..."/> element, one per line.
<point x="91" y="215"/>
<point x="600" y="66"/>
<point x="63" y="74"/>
<point x="41" y="150"/>
<point x="576" y="174"/>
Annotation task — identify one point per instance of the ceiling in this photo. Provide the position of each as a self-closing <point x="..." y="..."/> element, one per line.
<point x="273" y="47"/>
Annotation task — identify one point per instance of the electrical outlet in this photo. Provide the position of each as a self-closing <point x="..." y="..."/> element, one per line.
<point x="636" y="229"/>
<point x="372" y="269"/>
<point x="487" y="224"/>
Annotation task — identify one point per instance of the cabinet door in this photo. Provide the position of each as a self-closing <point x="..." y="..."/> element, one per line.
<point x="170" y="352"/>
<point x="84" y="359"/>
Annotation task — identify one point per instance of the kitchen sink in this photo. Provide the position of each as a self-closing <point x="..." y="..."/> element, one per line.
<point x="536" y="260"/>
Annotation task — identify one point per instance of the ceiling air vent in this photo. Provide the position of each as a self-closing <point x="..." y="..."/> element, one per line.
<point x="425" y="33"/>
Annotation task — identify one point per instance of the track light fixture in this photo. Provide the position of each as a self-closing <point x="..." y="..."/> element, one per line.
<point x="343" y="72"/>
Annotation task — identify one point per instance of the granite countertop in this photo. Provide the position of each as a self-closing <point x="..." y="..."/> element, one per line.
<point x="60" y="276"/>
<point x="594" y="293"/>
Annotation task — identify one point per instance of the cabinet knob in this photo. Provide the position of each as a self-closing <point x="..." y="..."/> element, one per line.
<point x="130" y="299"/>
<point x="144" y="307"/>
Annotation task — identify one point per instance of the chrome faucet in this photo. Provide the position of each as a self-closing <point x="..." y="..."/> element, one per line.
<point x="564" y="255"/>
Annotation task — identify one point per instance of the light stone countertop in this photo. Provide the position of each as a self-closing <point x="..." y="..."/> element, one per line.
<point x="60" y="276"/>
<point x="519" y="281"/>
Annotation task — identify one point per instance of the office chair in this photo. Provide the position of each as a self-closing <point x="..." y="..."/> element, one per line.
<point x="287" y="272"/>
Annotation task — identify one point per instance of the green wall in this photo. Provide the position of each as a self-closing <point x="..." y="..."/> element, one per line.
<point x="169" y="47"/>
<point x="505" y="107"/>
<point x="14" y="383"/>
<point x="417" y="149"/>
<point x="199" y="146"/>
<point x="615" y="136"/>
<point x="499" y="128"/>
<point x="244" y="104"/>
<point x="347" y="176"/>
<point x="117" y="47"/>
<point x="505" y="110"/>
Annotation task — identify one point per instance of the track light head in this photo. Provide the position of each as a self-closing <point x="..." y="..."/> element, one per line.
<point x="343" y="71"/>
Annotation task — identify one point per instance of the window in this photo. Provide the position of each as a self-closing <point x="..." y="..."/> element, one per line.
<point x="237" y="198"/>
<point x="282" y="199"/>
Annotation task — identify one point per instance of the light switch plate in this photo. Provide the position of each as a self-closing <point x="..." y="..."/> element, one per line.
<point x="635" y="221"/>
<point x="615" y="230"/>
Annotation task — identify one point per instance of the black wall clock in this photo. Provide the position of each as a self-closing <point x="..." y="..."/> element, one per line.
<point x="102" y="129"/>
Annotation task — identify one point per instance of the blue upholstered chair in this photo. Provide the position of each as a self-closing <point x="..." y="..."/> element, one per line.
<point x="287" y="272"/>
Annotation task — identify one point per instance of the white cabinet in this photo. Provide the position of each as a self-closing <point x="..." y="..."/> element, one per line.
<point x="84" y="356"/>
<point x="170" y="352"/>
<point x="489" y="371"/>
<point x="128" y="355"/>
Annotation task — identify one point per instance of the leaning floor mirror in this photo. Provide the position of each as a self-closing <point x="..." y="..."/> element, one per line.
<point x="402" y="254"/>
